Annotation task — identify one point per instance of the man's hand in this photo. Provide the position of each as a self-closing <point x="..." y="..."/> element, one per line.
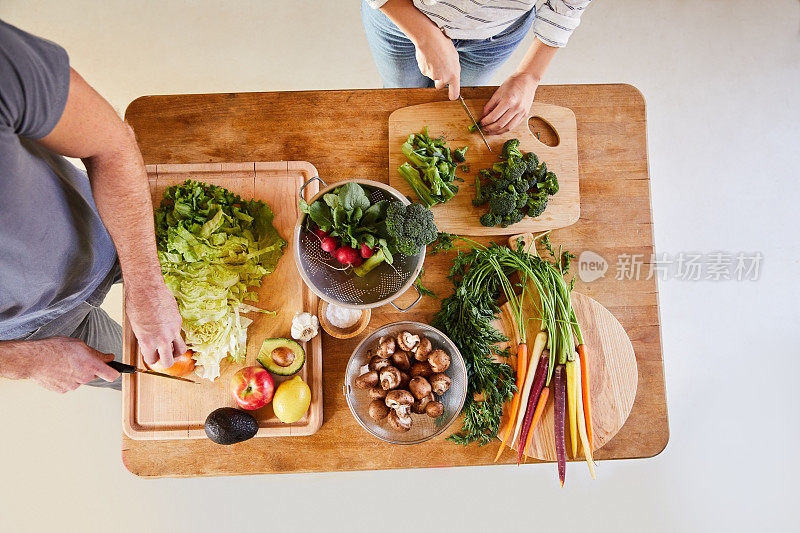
<point x="60" y="364"/>
<point x="509" y="105"/>
<point x="438" y="60"/>
<point x="155" y="320"/>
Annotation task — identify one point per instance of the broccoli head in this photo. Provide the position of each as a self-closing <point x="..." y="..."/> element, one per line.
<point x="511" y="150"/>
<point x="511" y="218"/>
<point x="503" y="203"/>
<point x="550" y="183"/>
<point x="531" y="162"/>
<point x="541" y="171"/>
<point x="490" y="220"/>
<point x="537" y="203"/>
<point x="522" y="200"/>
<point x="521" y="186"/>
<point x="460" y="155"/>
<point x="411" y="227"/>
<point x="514" y="169"/>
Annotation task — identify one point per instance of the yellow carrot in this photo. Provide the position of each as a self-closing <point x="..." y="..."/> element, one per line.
<point x="572" y="400"/>
<point x="586" y="444"/>
<point x="587" y="402"/>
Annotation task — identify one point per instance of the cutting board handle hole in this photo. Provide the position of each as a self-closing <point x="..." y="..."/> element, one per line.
<point x="543" y="131"/>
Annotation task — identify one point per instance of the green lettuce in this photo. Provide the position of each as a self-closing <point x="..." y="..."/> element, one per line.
<point x="214" y="249"/>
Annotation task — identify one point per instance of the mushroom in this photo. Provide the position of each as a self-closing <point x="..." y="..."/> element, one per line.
<point x="439" y="361"/>
<point x="378" y="363"/>
<point x="440" y="383"/>
<point x="419" y="405"/>
<point x="398" y="422"/>
<point x="419" y="387"/>
<point x="434" y="409"/>
<point x="401" y="360"/>
<point x="378" y="409"/>
<point x="405" y="379"/>
<point x="386" y="347"/>
<point x="420" y="369"/>
<point x="423" y="349"/>
<point x="390" y="378"/>
<point x="367" y="380"/>
<point x="377" y="393"/>
<point x="407" y="341"/>
<point x="397" y="399"/>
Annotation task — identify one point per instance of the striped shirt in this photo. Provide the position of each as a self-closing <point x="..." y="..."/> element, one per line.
<point x="482" y="19"/>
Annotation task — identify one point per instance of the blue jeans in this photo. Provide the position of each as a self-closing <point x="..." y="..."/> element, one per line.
<point x="395" y="55"/>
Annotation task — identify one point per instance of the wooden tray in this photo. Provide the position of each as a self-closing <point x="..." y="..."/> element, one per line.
<point x="448" y="118"/>
<point x="154" y="408"/>
<point x="612" y="368"/>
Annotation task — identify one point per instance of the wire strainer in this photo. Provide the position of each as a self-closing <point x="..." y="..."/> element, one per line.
<point x="323" y="274"/>
<point x="423" y="427"/>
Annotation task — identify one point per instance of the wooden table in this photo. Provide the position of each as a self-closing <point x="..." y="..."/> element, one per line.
<point x="344" y="134"/>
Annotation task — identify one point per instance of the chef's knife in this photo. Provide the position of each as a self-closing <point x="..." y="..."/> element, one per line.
<point x="130" y="369"/>
<point x="474" y="122"/>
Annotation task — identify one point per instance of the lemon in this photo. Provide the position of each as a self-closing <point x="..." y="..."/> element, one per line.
<point x="291" y="400"/>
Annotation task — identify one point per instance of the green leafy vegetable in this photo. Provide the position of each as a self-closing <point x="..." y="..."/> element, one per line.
<point x="213" y="247"/>
<point x="431" y="167"/>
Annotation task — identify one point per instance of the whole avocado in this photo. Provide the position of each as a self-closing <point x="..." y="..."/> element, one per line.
<point x="227" y="425"/>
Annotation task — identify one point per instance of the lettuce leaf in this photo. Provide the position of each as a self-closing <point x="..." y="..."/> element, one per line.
<point x="214" y="247"/>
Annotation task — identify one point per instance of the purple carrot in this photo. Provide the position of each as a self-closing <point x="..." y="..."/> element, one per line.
<point x="533" y="399"/>
<point x="560" y="407"/>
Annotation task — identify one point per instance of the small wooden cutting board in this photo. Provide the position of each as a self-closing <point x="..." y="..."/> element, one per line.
<point x="448" y="119"/>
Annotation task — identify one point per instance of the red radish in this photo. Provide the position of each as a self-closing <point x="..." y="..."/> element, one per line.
<point x="346" y="255"/>
<point x="366" y="251"/>
<point x="329" y="244"/>
<point x="319" y="233"/>
<point x="357" y="262"/>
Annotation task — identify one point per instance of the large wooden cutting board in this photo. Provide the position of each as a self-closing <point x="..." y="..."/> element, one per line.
<point x="155" y="408"/>
<point x="612" y="370"/>
<point x="449" y="119"/>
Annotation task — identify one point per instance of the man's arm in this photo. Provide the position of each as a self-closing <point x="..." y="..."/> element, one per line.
<point x="90" y="129"/>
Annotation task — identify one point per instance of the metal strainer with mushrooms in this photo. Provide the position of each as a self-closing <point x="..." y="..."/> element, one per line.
<point x="405" y="375"/>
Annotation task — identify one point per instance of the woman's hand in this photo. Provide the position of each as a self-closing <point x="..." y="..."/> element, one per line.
<point x="510" y="104"/>
<point x="438" y="60"/>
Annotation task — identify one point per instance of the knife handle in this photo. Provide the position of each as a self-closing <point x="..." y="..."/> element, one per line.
<point x="122" y="368"/>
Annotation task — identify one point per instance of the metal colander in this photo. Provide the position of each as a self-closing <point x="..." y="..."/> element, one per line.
<point x="323" y="274"/>
<point x="423" y="427"/>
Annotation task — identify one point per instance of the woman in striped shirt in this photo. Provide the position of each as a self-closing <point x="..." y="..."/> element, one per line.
<point x="439" y="43"/>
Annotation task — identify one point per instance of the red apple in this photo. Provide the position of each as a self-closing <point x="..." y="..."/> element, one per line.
<point x="252" y="387"/>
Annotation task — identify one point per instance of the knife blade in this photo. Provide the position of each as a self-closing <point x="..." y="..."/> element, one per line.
<point x="474" y="122"/>
<point x="122" y="368"/>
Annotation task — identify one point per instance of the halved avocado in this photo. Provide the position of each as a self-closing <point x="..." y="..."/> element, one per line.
<point x="283" y="357"/>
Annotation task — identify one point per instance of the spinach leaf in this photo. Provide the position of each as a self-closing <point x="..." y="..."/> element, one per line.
<point x="319" y="213"/>
<point x="375" y="213"/>
<point x="352" y="195"/>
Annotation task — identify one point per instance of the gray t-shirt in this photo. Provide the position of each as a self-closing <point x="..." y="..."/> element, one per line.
<point x="54" y="250"/>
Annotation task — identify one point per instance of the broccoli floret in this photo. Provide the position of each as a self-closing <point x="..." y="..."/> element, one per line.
<point x="512" y="218"/>
<point x="410" y="226"/>
<point x="521" y="186"/>
<point x="489" y="220"/>
<point x="460" y="155"/>
<point x="511" y="150"/>
<point x="541" y="171"/>
<point x="503" y="203"/>
<point x="522" y="200"/>
<point x="486" y="174"/>
<point x="531" y="162"/>
<point x="550" y="184"/>
<point x="537" y="203"/>
<point x="514" y="169"/>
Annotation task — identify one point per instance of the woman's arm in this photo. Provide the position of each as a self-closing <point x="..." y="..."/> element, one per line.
<point x="436" y="56"/>
<point x="511" y="102"/>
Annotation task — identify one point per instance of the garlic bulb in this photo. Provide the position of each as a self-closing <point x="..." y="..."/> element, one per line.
<point x="305" y="326"/>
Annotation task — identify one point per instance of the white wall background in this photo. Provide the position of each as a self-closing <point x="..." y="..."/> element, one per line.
<point x="721" y="79"/>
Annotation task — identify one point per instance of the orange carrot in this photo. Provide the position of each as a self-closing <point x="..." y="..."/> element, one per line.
<point x="522" y="367"/>
<point x="587" y="402"/>
<point x="536" y="416"/>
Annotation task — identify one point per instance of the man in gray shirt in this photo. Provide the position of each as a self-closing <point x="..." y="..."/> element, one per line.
<point x="66" y="235"/>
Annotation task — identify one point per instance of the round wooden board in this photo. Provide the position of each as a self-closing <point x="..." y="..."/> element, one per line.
<point x="613" y="373"/>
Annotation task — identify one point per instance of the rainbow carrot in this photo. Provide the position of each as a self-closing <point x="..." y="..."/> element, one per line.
<point x="536" y="417"/>
<point x="522" y="367"/>
<point x="587" y="402"/>
<point x="585" y="443"/>
<point x="533" y="399"/>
